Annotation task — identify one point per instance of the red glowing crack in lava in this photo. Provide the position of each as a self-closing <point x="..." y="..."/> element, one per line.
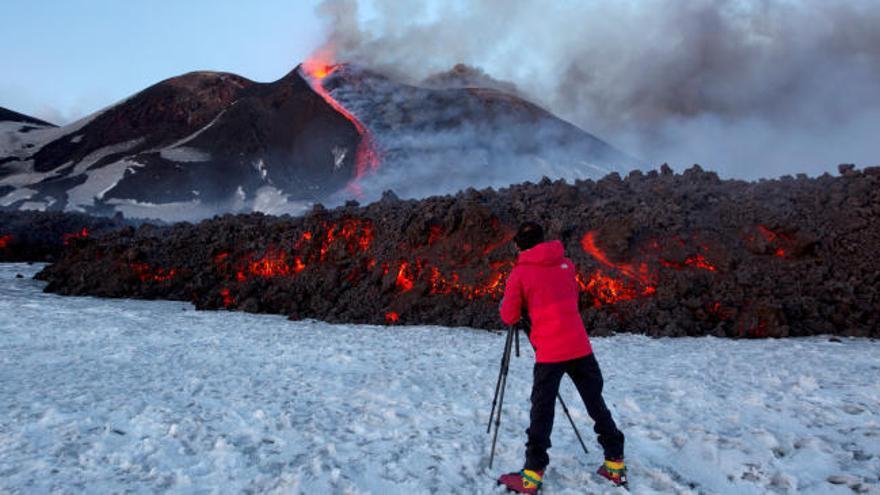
<point x="440" y="284"/>
<point x="352" y="236"/>
<point x="781" y="243"/>
<point x="639" y="281"/>
<point x="147" y="273"/>
<point x="82" y="234"/>
<point x="317" y="68"/>
<point x="636" y="281"/>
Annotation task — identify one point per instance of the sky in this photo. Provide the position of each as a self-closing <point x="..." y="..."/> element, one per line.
<point x="64" y="59"/>
<point x="748" y="88"/>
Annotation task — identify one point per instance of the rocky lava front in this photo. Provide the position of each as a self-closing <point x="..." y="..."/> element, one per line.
<point x="656" y="253"/>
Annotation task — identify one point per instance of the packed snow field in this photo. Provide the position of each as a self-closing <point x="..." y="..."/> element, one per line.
<point x="113" y="396"/>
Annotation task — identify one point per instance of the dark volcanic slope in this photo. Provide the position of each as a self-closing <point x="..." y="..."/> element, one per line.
<point x="208" y="142"/>
<point x="156" y="117"/>
<point x="202" y="142"/>
<point x="659" y="253"/>
<point x="444" y="140"/>
<point x="280" y="134"/>
<point x="7" y="115"/>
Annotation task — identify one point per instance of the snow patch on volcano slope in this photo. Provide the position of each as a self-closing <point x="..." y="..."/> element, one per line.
<point x="99" y="181"/>
<point x="184" y="154"/>
<point x="110" y="396"/>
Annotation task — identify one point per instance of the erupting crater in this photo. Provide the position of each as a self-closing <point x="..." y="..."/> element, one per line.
<point x="316" y="70"/>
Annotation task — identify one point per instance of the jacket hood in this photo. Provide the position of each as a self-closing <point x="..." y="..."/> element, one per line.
<point x="546" y="253"/>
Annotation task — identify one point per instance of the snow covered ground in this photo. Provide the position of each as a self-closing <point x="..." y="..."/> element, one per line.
<point x="112" y="396"/>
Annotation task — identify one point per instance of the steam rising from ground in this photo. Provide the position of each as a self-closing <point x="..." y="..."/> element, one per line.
<point x="751" y="88"/>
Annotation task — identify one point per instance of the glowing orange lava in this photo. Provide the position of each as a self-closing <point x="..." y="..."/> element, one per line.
<point x="440" y="284"/>
<point x="272" y="264"/>
<point x="82" y="234"/>
<point x="434" y="234"/>
<point x="5" y="240"/>
<point x="392" y="317"/>
<point x="588" y="242"/>
<point x="779" y="242"/>
<point x="608" y="290"/>
<point x="316" y="69"/>
<point x="228" y="300"/>
<point x="405" y="279"/>
<point x="147" y="273"/>
<point x="298" y="265"/>
<point x="696" y="261"/>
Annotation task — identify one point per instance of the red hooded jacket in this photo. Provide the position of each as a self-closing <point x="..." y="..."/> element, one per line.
<point x="544" y="281"/>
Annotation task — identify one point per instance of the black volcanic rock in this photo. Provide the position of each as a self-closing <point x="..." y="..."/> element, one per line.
<point x="7" y="115"/>
<point x="661" y="254"/>
<point x="42" y="236"/>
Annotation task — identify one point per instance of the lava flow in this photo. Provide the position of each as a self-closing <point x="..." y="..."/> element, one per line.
<point x="492" y="285"/>
<point x="608" y="290"/>
<point x="780" y="243"/>
<point x="147" y="273"/>
<point x="82" y="234"/>
<point x="349" y="237"/>
<point x="5" y="240"/>
<point x="318" y="68"/>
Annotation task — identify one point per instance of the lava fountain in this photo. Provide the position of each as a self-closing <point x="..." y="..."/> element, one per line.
<point x="315" y="71"/>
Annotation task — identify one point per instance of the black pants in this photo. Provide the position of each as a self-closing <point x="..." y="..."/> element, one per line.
<point x="587" y="377"/>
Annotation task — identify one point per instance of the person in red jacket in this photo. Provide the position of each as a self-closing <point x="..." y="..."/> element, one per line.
<point x="543" y="283"/>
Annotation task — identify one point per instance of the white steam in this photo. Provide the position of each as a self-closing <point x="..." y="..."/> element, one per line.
<point x="750" y="88"/>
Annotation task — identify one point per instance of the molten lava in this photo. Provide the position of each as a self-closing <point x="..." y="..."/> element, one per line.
<point x="434" y="234"/>
<point x="228" y="300"/>
<point x="719" y="311"/>
<point x="82" y="234"/>
<point x="604" y="289"/>
<point x="5" y="240"/>
<point x="695" y="261"/>
<point x="641" y="274"/>
<point x="392" y="317"/>
<point x="405" y="278"/>
<point x="272" y="264"/>
<point x="147" y="273"/>
<point x="317" y="69"/>
<point x="779" y="242"/>
<point x="352" y="236"/>
<point x="607" y="290"/>
<point x="440" y="284"/>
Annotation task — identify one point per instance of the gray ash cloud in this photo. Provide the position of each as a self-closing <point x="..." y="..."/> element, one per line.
<point x="751" y="88"/>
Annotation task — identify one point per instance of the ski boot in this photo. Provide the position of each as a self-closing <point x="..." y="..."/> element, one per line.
<point x="614" y="470"/>
<point x="524" y="481"/>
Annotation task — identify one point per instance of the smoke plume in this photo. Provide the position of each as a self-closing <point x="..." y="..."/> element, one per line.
<point x="750" y="88"/>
